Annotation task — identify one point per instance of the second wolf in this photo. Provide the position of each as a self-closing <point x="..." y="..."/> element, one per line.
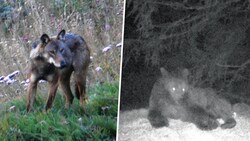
<point x="54" y="59"/>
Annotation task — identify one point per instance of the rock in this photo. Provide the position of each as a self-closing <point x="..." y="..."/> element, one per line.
<point x="106" y="49"/>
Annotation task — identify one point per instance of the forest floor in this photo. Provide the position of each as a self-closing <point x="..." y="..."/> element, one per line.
<point x="134" y="125"/>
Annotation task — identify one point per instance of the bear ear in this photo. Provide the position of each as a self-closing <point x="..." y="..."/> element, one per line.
<point x="61" y="35"/>
<point x="185" y="73"/>
<point x="45" y="39"/>
<point x="164" y="72"/>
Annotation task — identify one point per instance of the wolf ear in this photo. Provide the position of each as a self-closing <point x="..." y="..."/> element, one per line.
<point x="45" y="39"/>
<point x="164" y="72"/>
<point x="60" y="35"/>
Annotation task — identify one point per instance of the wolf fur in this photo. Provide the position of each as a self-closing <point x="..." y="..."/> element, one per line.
<point x="54" y="59"/>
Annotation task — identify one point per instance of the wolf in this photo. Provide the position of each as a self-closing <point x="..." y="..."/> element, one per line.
<point x="54" y="59"/>
<point x="172" y="97"/>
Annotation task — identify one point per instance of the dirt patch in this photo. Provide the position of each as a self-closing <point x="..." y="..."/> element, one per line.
<point x="134" y="125"/>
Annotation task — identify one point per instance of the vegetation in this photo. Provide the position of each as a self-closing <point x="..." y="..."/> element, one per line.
<point x="97" y="121"/>
<point x="209" y="37"/>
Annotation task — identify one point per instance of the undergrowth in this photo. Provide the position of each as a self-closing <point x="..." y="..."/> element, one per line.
<point x="96" y="121"/>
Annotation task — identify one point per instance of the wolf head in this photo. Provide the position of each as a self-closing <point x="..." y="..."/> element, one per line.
<point x="52" y="50"/>
<point x="177" y="86"/>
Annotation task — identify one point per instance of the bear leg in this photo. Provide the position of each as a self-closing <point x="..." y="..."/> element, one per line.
<point x="229" y="123"/>
<point x="203" y="120"/>
<point x="206" y="123"/>
<point x="156" y="119"/>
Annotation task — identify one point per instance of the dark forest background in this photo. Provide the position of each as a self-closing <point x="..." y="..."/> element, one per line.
<point x="209" y="37"/>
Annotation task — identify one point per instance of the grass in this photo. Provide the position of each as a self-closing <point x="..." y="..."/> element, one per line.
<point x="97" y="121"/>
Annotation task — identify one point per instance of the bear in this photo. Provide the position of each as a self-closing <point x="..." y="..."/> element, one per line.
<point x="172" y="97"/>
<point x="215" y="106"/>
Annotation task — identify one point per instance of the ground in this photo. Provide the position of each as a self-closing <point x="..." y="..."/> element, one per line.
<point x="134" y="125"/>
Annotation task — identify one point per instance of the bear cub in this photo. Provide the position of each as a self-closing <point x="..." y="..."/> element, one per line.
<point x="172" y="97"/>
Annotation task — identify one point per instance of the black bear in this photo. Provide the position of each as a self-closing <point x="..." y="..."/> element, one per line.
<point x="172" y="97"/>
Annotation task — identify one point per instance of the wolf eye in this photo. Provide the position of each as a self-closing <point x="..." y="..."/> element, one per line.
<point x="183" y="89"/>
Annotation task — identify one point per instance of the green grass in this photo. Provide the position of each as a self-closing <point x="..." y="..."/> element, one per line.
<point x="97" y="121"/>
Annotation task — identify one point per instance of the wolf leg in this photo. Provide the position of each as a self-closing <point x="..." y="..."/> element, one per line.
<point x="52" y="93"/>
<point x="64" y="82"/>
<point x="80" y="86"/>
<point x="31" y="95"/>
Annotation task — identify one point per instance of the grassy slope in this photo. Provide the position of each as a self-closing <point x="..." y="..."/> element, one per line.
<point x="97" y="121"/>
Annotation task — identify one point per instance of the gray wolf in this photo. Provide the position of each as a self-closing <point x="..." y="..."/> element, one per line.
<point x="54" y="59"/>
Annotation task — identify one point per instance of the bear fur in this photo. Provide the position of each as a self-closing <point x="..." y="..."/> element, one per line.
<point x="172" y="97"/>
